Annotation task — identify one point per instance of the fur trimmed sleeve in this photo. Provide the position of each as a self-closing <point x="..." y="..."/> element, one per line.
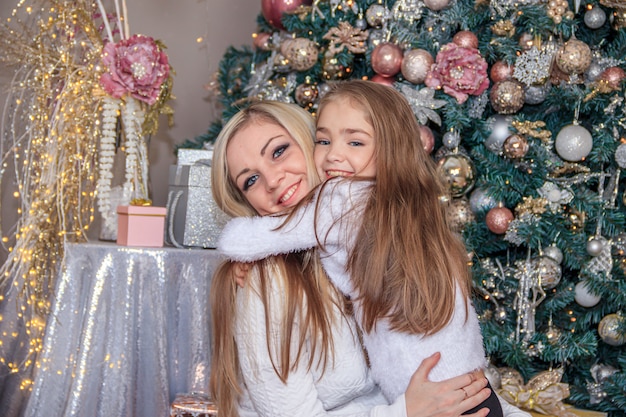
<point x="247" y="239"/>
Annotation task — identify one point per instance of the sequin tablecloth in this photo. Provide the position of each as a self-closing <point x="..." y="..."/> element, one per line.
<point x="129" y="329"/>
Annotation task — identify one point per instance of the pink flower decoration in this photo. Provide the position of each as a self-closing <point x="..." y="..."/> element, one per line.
<point x="460" y="71"/>
<point x="136" y="66"/>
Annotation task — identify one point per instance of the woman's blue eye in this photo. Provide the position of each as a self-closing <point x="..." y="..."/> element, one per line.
<point x="249" y="182"/>
<point x="324" y="142"/>
<point x="279" y="151"/>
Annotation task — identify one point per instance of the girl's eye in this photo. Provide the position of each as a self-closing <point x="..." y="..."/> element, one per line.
<point x="324" y="142"/>
<point x="355" y="143"/>
<point x="249" y="182"/>
<point x="279" y="151"/>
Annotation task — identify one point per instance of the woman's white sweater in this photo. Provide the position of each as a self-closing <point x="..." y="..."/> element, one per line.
<point x="344" y="387"/>
<point x="393" y="356"/>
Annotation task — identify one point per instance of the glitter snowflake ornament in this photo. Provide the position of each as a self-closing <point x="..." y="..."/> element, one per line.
<point x="533" y="66"/>
<point x="423" y="103"/>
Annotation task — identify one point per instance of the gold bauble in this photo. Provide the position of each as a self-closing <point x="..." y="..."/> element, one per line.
<point x="333" y="70"/>
<point x="302" y="53"/>
<point x="609" y="330"/>
<point x="458" y="171"/>
<point x="507" y="97"/>
<point x="460" y="214"/>
<point x="574" y="57"/>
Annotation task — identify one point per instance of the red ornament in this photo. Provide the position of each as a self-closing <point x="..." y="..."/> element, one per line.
<point x="273" y="9"/>
<point x="383" y="80"/>
<point x="427" y="138"/>
<point x="387" y="59"/>
<point x="498" y="219"/>
<point x="466" y="39"/>
<point x="501" y="71"/>
<point x="613" y="76"/>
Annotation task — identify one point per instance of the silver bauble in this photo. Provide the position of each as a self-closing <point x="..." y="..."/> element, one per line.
<point x="499" y="133"/>
<point x="553" y="252"/>
<point x="360" y="23"/>
<point x="376" y="37"/>
<point x="451" y="140"/>
<point x="620" y="155"/>
<point x="595" y="18"/>
<point x="573" y="143"/>
<point x="481" y="202"/>
<point x="493" y="376"/>
<point x="548" y="271"/>
<point x="376" y="14"/>
<point x="594" y="247"/>
<point x="536" y="94"/>
<point x="594" y="71"/>
<point x="583" y="296"/>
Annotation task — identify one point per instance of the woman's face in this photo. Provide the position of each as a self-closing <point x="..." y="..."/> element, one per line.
<point x="268" y="167"/>
<point x="344" y="143"/>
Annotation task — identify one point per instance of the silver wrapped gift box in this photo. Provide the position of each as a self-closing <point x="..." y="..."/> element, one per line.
<point x="193" y="219"/>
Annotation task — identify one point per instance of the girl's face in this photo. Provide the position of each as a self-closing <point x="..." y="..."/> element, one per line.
<point x="344" y="144"/>
<point x="268" y="167"/>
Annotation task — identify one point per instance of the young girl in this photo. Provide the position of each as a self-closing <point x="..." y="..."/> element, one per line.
<point x="384" y="237"/>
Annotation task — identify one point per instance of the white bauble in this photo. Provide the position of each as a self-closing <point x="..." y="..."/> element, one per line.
<point x="573" y="143"/>
<point x="583" y="296"/>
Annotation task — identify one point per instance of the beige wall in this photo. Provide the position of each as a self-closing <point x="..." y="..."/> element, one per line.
<point x="179" y="24"/>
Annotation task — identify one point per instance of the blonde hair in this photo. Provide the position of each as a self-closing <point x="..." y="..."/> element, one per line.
<point x="407" y="260"/>
<point x="310" y="298"/>
<point x="294" y="119"/>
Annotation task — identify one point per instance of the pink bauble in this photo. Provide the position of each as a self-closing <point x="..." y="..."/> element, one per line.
<point x="427" y="138"/>
<point x="273" y="9"/>
<point x="613" y="76"/>
<point x="466" y="39"/>
<point x="383" y="80"/>
<point x="500" y="71"/>
<point x="498" y="219"/>
<point x="387" y="59"/>
<point x="262" y="41"/>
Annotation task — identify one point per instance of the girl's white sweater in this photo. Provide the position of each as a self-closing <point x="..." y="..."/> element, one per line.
<point x="393" y="356"/>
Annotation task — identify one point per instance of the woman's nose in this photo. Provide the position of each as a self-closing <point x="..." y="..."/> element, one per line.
<point x="274" y="177"/>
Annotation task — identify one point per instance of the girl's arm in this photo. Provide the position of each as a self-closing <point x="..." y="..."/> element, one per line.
<point x="247" y="239"/>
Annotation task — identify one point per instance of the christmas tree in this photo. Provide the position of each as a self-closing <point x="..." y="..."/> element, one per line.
<point x="521" y="104"/>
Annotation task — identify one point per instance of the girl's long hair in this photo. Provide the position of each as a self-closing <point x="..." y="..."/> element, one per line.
<point x="407" y="261"/>
<point x="310" y="298"/>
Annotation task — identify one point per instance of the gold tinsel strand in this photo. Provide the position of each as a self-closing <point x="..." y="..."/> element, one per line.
<point x="51" y="143"/>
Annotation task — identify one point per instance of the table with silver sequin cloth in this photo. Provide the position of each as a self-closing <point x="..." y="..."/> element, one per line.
<point x="129" y="330"/>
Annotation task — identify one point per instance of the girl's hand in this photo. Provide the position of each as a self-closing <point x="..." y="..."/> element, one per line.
<point x="449" y="398"/>
<point x="240" y="271"/>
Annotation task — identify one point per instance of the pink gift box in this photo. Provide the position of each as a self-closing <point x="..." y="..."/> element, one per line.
<point x="140" y="226"/>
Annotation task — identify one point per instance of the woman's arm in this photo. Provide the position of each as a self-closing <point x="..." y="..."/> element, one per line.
<point x="448" y="398"/>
